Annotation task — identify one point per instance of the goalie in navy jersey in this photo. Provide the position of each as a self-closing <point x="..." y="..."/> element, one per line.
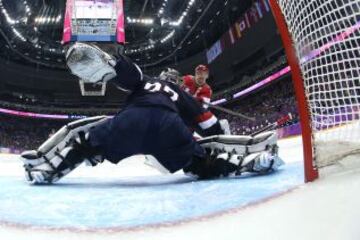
<point x="155" y="121"/>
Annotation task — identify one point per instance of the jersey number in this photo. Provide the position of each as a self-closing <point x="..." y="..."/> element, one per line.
<point x="158" y="87"/>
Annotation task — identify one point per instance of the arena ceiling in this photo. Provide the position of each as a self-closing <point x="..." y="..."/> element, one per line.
<point x="157" y="31"/>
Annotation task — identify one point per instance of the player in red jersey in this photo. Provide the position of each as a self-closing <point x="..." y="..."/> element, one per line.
<point x="200" y="90"/>
<point x="197" y="86"/>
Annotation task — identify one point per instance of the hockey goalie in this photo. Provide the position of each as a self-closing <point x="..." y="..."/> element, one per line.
<point x="155" y="121"/>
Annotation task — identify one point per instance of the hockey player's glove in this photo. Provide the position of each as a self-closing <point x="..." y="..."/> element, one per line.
<point x="90" y="63"/>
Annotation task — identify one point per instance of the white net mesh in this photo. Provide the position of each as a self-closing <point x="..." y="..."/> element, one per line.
<point x="326" y="38"/>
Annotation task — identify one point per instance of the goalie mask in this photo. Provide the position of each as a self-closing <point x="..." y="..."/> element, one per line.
<point x="170" y="75"/>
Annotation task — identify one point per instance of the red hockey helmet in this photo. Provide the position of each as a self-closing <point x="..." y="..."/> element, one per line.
<point x="202" y="68"/>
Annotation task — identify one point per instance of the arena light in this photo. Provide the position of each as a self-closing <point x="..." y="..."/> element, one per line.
<point x="168" y="37"/>
<point x="48" y="20"/>
<point x="140" y="49"/>
<point x="8" y="19"/>
<point x="58" y="18"/>
<point x="143" y="21"/>
<point x="162" y="8"/>
<point x="183" y="15"/>
<point x="18" y="34"/>
<point x="152" y="45"/>
<point x="164" y="21"/>
<point x="264" y="82"/>
<point x="33" y="115"/>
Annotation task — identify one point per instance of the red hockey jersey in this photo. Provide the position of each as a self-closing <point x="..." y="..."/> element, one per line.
<point x="201" y="93"/>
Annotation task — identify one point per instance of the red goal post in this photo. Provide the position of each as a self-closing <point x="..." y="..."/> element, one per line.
<point x="310" y="169"/>
<point x="322" y="42"/>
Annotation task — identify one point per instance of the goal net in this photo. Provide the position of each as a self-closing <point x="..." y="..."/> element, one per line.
<point x="325" y="38"/>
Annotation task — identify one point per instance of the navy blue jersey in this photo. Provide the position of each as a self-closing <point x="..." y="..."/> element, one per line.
<point x="153" y="92"/>
<point x="156" y="120"/>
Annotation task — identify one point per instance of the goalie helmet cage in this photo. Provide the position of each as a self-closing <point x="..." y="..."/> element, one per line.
<point x="322" y="41"/>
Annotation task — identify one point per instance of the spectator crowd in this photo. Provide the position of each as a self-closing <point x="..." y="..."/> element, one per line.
<point x="266" y="105"/>
<point x="25" y="133"/>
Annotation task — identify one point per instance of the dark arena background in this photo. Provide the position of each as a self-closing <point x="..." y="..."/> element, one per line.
<point x="290" y="67"/>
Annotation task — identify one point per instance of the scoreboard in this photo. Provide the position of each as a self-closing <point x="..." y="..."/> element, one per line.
<point x="94" y="21"/>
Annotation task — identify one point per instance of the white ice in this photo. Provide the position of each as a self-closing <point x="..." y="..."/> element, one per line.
<point x="326" y="209"/>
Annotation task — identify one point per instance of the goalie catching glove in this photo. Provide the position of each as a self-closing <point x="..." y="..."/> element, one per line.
<point x="62" y="153"/>
<point x="90" y="63"/>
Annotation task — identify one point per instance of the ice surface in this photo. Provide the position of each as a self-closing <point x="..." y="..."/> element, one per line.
<point x="123" y="202"/>
<point x="113" y="198"/>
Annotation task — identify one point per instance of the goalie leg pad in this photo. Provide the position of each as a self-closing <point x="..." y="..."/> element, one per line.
<point x="62" y="153"/>
<point x="63" y="138"/>
<point x="241" y="145"/>
<point x="54" y="169"/>
<point x="227" y="164"/>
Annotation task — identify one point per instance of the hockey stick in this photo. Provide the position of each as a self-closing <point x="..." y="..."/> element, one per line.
<point x="274" y="125"/>
<point x="228" y="111"/>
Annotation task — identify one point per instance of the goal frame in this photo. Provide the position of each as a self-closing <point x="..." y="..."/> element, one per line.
<point x="310" y="169"/>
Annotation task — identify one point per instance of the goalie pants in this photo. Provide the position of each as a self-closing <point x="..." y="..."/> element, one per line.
<point x="147" y="130"/>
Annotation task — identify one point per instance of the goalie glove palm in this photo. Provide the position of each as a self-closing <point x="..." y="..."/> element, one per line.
<point x="90" y="63"/>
